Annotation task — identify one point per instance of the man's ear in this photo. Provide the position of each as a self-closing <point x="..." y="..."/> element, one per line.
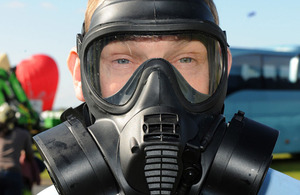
<point x="229" y="57"/>
<point x="74" y="67"/>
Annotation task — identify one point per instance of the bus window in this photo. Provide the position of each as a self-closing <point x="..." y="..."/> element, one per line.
<point x="269" y="71"/>
<point x="248" y="74"/>
<point x="276" y="73"/>
<point x="261" y="71"/>
<point x="249" y="66"/>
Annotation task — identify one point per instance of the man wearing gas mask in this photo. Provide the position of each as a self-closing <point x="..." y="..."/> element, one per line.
<point x="153" y="76"/>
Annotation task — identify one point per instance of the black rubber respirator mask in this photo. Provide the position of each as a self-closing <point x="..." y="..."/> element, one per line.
<point x="155" y="129"/>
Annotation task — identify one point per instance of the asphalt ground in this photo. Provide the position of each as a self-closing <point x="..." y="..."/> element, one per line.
<point x="36" y="189"/>
<point x="45" y="182"/>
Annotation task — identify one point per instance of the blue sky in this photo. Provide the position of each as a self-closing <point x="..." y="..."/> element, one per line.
<point x="50" y="27"/>
<point x="276" y="22"/>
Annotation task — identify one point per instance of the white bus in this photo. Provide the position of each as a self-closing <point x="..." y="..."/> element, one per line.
<point x="265" y="84"/>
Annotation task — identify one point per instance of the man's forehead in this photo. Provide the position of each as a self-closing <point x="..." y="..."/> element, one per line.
<point x="142" y="38"/>
<point x="174" y="39"/>
<point x="171" y="42"/>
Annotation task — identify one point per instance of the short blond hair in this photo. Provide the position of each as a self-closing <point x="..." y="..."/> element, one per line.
<point x="93" y="4"/>
<point x="90" y="9"/>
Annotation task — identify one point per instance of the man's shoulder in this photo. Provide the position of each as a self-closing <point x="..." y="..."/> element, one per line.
<point x="49" y="191"/>
<point x="279" y="183"/>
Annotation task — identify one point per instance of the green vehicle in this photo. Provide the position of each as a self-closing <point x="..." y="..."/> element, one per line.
<point x="12" y="92"/>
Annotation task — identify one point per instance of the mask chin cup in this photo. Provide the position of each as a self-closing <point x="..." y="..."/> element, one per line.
<point x="243" y="158"/>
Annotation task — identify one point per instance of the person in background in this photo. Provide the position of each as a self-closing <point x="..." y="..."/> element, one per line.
<point x="13" y="140"/>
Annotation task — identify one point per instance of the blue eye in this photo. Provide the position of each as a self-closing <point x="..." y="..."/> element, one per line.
<point x="123" y="61"/>
<point x="185" y="60"/>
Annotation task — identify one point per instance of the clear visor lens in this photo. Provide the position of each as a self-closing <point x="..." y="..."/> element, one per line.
<point x="110" y="62"/>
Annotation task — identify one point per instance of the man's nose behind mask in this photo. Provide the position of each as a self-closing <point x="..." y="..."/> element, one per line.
<point x="165" y="80"/>
<point x="111" y="61"/>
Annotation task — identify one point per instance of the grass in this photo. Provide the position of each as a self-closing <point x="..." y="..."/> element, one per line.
<point x="288" y="164"/>
<point x="45" y="178"/>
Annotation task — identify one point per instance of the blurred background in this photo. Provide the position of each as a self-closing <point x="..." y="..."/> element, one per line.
<point x="50" y="27"/>
<point x="257" y="27"/>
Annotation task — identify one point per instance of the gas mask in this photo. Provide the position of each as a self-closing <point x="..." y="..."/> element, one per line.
<point x="153" y="124"/>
